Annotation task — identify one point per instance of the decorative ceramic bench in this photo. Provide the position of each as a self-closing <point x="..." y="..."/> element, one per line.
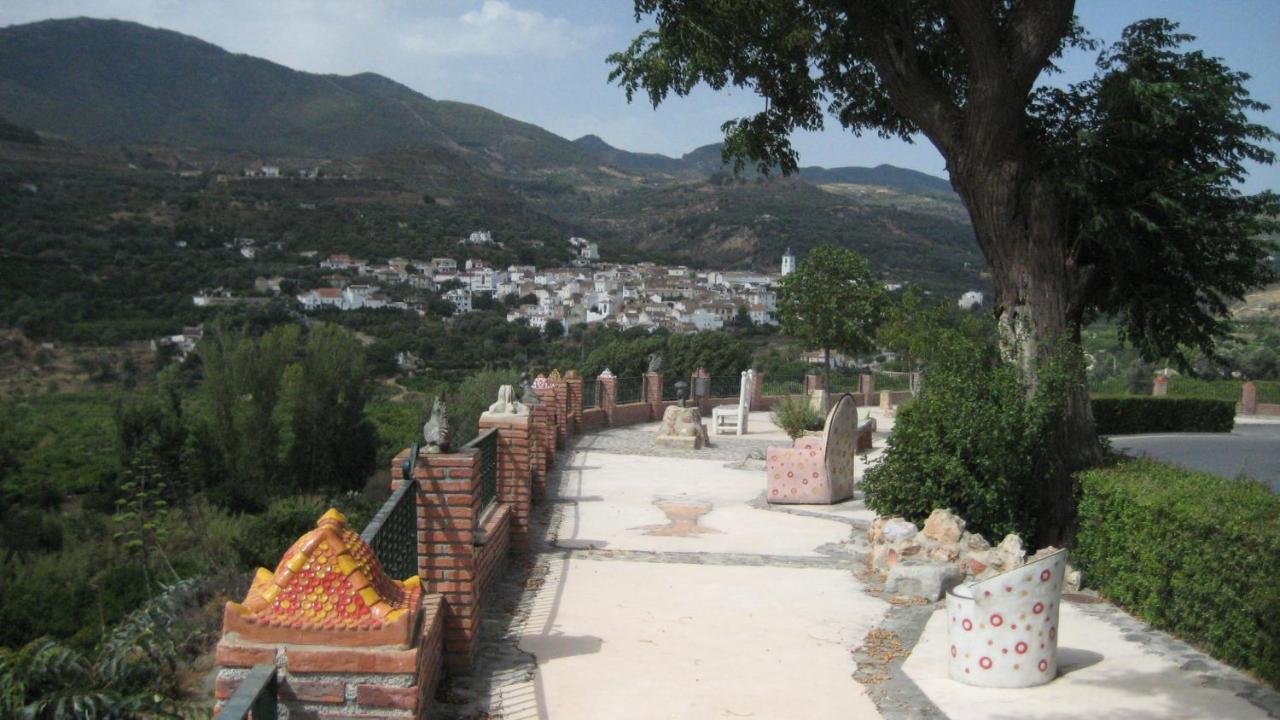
<point x="1004" y="630"/>
<point x="817" y="470"/>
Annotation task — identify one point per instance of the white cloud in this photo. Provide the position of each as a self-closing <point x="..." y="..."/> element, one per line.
<point x="497" y="29"/>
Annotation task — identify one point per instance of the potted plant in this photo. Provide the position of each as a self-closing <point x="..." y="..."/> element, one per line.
<point x="796" y="416"/>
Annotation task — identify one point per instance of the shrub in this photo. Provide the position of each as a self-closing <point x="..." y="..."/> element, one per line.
<point x="474" y="396"/>
<point x="974" y="441"/>
<point x="1192" y="553"/>
<point x="795" y="415"/>
<point x="1138" y="414"/>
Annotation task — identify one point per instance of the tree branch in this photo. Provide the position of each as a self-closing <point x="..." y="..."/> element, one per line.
<point x="1034" y="32"/>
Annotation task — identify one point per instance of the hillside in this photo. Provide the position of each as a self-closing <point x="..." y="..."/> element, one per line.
<point x="109" y="94"/>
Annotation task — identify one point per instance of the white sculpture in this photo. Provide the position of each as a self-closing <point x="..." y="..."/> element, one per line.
<point x="507" y="403"/>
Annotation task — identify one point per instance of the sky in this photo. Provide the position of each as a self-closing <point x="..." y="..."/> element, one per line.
<point x="543" y="61"/>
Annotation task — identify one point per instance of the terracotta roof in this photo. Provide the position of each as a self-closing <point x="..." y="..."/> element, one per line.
<point x="329" y="587"/>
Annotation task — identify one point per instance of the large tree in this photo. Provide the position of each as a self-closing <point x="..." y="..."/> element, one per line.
<point x="1113" y="196"/>
<point x="833" y="302"/>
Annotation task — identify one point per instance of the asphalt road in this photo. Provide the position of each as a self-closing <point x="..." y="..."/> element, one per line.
<point x="1250" y="449"/>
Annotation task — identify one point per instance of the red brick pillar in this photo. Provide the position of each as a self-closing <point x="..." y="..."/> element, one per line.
<point x="814" y="381"/>
<point x="515" y="472"/>
<point x="653" y="393"/>
<point x="1249" y="399"/>
<point x="608" y="395"/>
<point x="573" y="386"/>
<point x="866" y="387"/>
<point x="448" y="514"/>
<point x="547" y="421"/>
<point x="562" y="408"/>
<point x="699" y="390"/>
<point x="1161" y="386"/>
<point x="757" y="390"/>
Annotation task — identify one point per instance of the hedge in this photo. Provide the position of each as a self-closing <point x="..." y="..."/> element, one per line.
<point x="1118" y="415"/>
<point x="1191" y="553"/>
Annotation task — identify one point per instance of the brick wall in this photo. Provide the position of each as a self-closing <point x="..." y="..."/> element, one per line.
<point x="515" y="469"/>
<point x="631" y="414"/>
<point x="593" y="420"/>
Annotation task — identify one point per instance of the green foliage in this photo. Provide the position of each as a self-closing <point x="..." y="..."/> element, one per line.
<point x="1191" y="553"/>
<point x="974" y="441"/>
<point x="913" y="323"/>
<point x="1127" y="415"/>
<point x="795" y="416"/>
<point x="626" y="356"/>
<point x="131" y="674"/>
<point x="832" y="301"/>
<point x="1150" y="152"/>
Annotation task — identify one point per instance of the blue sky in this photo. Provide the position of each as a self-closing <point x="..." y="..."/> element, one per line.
<point x="543" y="60"/>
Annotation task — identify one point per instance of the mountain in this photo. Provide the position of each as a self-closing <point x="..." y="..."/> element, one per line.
<point x="112" y="82"/>
<point x="116" y="93"/>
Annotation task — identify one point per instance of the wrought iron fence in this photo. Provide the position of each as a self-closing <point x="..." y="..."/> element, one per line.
<point x="590" y="394"/>
<point x="256" y="696"/>
<point x="893" y="381"/>
<point x="629" y="390"/>
<point x="669" y="387"/>
<point x="487" y="443"/>
<point x="393" y="531"/>
<point x="723" y="386"/>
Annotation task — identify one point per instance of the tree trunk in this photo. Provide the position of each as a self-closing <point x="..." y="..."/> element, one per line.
<point x="1019" y="224"/>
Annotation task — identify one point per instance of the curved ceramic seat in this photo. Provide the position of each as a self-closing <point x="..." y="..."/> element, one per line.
<point x="1004" y="630"/>
<point x="816" y="470"/>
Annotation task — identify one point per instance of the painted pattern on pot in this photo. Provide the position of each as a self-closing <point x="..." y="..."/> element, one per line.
<point x="1003" y="631"/>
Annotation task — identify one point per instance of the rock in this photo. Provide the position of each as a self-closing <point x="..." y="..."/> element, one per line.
<point x="875" y="533"/>
<point x="974" y="542"/>
<point x="896" y="529"/>
<point x="1072" y="578"/>
<point x="944" y="553"/>
<point x="973" y="566"/>
<point x="944" y="526"/>
<point x="909" y="548"/>
<point x="913" y="577"/>
<point x="1043" y="552"/>
<point x="1012" y="546"/>
<point x="884" y="557"/>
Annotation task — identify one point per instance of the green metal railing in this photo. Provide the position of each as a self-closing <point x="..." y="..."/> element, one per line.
<point x="669" y="387"/>
<point x="723" y="386"/>
<point x="256" y="696"/>
<point x="393" y="531"/>
<point x="629" y="390"/>
<point x="487" y="443"/>
<point x="590" y="394"/>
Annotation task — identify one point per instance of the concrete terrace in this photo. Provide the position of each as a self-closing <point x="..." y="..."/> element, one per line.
<point x="658" y="584"/>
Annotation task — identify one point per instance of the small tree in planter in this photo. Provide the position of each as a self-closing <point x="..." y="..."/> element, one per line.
<point x="795" y="416"/>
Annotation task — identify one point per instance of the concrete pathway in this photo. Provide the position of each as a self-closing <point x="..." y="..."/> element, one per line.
<point x="660" y="585"/>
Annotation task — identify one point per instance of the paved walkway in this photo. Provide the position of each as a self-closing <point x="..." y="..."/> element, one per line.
<point x="661" y="586"/>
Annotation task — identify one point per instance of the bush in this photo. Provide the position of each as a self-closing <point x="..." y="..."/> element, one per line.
<point x="1190" y="552"/>
<point x="795" y="415"/>
<point x="972" y="441"/>
<point x="1137" y="414"/>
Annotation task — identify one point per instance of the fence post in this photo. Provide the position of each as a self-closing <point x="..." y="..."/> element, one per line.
<point x="866" y="387"/>
<point x="573" y="384"/>
<point x="448" y="511"/>
<point x="814" y="381"/>
<point x="608" y="394"/>
<point x="1249" y="399"/>
<point x="653" y="393"/>
<point x="562" y="408"/>
<point x="1161" y="386"/>
<point x="515" y="468"/>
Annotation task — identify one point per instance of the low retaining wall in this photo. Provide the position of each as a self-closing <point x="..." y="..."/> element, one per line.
<point x="631" y="414"/>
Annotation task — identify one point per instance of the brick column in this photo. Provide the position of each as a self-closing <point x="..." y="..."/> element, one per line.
<point x="866" y="387"/>
<point x="544" y="445"/>
<point x="1161" y="386"/>
<point x="1249" y="399"/>
<point x="515" y="472"/>
<point x="448" y="511"/>
<point x="562" y="408"/>
<point x="573" y="386"/>
<point x="653" y="393"/>
<point x="608" y="394"/>
<point x="814" y="381"/>
<point x="757" y="390"/>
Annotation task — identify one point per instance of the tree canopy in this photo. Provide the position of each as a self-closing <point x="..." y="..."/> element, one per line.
<point x="832" y="301"/>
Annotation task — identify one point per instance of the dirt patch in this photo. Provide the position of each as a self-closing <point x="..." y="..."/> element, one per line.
<point x="682" y="519"/>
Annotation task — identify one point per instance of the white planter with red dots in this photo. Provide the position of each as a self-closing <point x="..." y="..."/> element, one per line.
<point x="1003" y="631"/>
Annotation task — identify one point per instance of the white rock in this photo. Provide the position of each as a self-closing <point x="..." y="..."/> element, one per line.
<point x="912" y="577"/>
<point x="896" y="529"/>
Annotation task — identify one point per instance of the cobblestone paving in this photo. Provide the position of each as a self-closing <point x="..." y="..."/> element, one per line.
<point x="504" y="681"/>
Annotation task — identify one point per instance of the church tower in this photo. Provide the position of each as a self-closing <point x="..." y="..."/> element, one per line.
<point x="788" y="263"/>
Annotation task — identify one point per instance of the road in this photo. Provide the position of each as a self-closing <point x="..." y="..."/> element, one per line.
<point x="1253" y="449"/>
